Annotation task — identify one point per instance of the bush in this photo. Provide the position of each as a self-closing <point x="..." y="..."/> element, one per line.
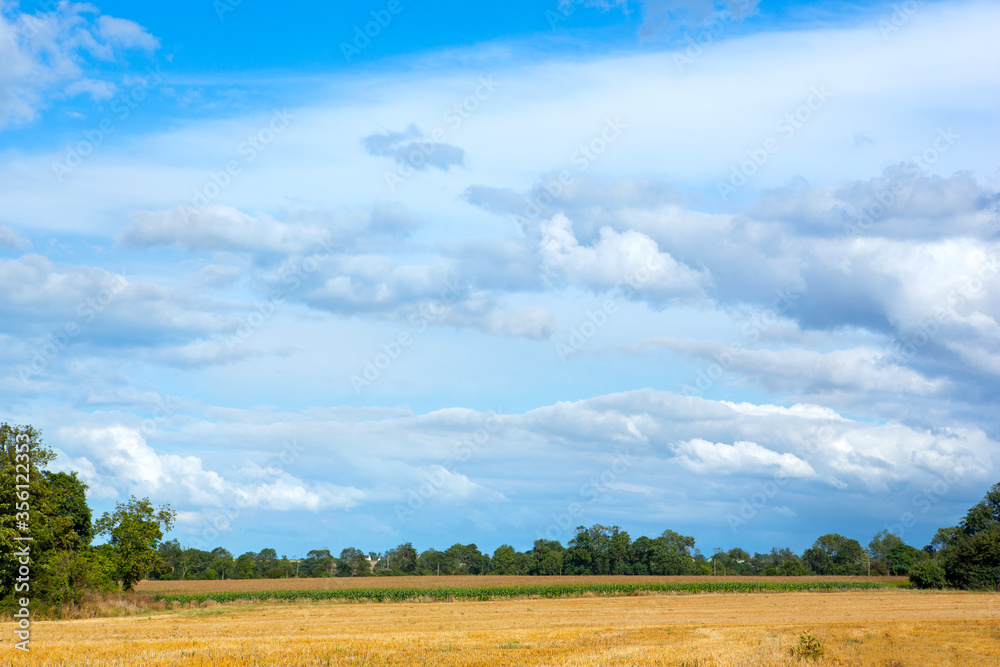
<point x="927" y="574"/>
<point x="974" y="562"/>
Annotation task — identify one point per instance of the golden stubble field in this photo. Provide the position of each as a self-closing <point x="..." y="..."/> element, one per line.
<point x="885" y="628"/>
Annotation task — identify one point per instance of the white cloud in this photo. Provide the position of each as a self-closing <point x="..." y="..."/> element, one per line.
<point x="126" y="34"/>
<point x="11" y="239"/>
<point x="628" y="260"/>
<point x="44" y="55"/>
<point x="217" y="227"/>
<point x="743" y="457"/>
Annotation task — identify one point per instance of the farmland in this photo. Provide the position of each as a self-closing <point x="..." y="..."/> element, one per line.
<point x="382" y="589"/>
<point x="326" y="583"/>
<point x="858" y="627"/>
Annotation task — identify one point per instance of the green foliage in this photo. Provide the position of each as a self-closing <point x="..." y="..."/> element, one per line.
<point x="974" y="562"/>
<point x="984" y="516"/>
<point x="402" y="559"/>
<point x="505" y="561"/>
<point x="352" y="563"/>
<point x="467" y="559"/>
<point x="970" y="552"/>
<point x="135" y="529"/>
<point x="835" y="554"/>
<point x="903" y="557"/>
<point x="546" y="558"/>
<point x="808" y="648"/>
<point x="927" y="574"/>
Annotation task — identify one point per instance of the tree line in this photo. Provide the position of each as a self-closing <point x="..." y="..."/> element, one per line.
<point x="48" y="511"/>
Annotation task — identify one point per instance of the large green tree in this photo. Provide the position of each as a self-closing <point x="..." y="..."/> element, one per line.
<point x="135" y="529"/>
<point x="835" y="554"/>
<point x="402" y="559"/>
<point x="971" y="555"/>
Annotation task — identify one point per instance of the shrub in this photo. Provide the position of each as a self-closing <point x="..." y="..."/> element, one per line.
<point x="808" y="647"/>
<point x="927" y="574"/>
<point x="974" y="562"/>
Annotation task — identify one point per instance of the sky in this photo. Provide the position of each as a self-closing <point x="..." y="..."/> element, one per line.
<point x="357" y="274"/>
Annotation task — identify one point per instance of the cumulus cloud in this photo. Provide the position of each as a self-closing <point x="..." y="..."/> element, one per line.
<point x="119" y="456"/>
<point x="126" y="34"/>
<point x="705" y="457"/>
<point x="45" y="55"/>
<point x="903" y="202"/>
<point x="219" y="227"/>
<point x="639" y="451"/>
<point x="412" y="148"/>
<point x="617" y="259"/>
<point x="802" y="371"/>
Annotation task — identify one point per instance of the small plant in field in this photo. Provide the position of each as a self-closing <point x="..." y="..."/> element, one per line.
<point x="808" y="647"/>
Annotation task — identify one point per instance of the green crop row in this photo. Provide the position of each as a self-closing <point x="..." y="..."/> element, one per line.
<point x="540" y="590"/>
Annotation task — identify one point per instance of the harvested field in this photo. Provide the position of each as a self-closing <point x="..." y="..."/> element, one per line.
<point x="884" y="627"/>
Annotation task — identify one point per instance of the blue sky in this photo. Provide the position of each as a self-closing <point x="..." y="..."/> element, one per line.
<point x="492" y="272"/>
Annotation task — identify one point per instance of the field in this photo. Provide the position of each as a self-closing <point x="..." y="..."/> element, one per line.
<point x="400" y="589"/>
<point x="292" y="584"/>
<point x="885" y="627"/>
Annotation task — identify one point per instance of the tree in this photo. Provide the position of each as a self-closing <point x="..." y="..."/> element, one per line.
<point x="171" y="564"/>
<point x="434" y="562"/>
<point x="222" y="563"/>
<point x="68" y="499"/>
<point x="402" y="559"/>
<point x="672" y="553"/>
<point x="243" y="567"/>
<point x="984" y="515"/>
<point x="943" y="538"/>
<point x="546" y="558"/>
<point x="903" y="558"/>
<point x="266" y="564"/>
<point x="834" y="554"/>
<point x="352" y="563"/>
<point x="505" y="560"/>
<point x="467" y="558"/>
<point x="927" y="574"/>
<point x="880" y="547"/>
<point x="974" y="562"/>
<point x="135" y="529"/>
<point x="319" y="563"/>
